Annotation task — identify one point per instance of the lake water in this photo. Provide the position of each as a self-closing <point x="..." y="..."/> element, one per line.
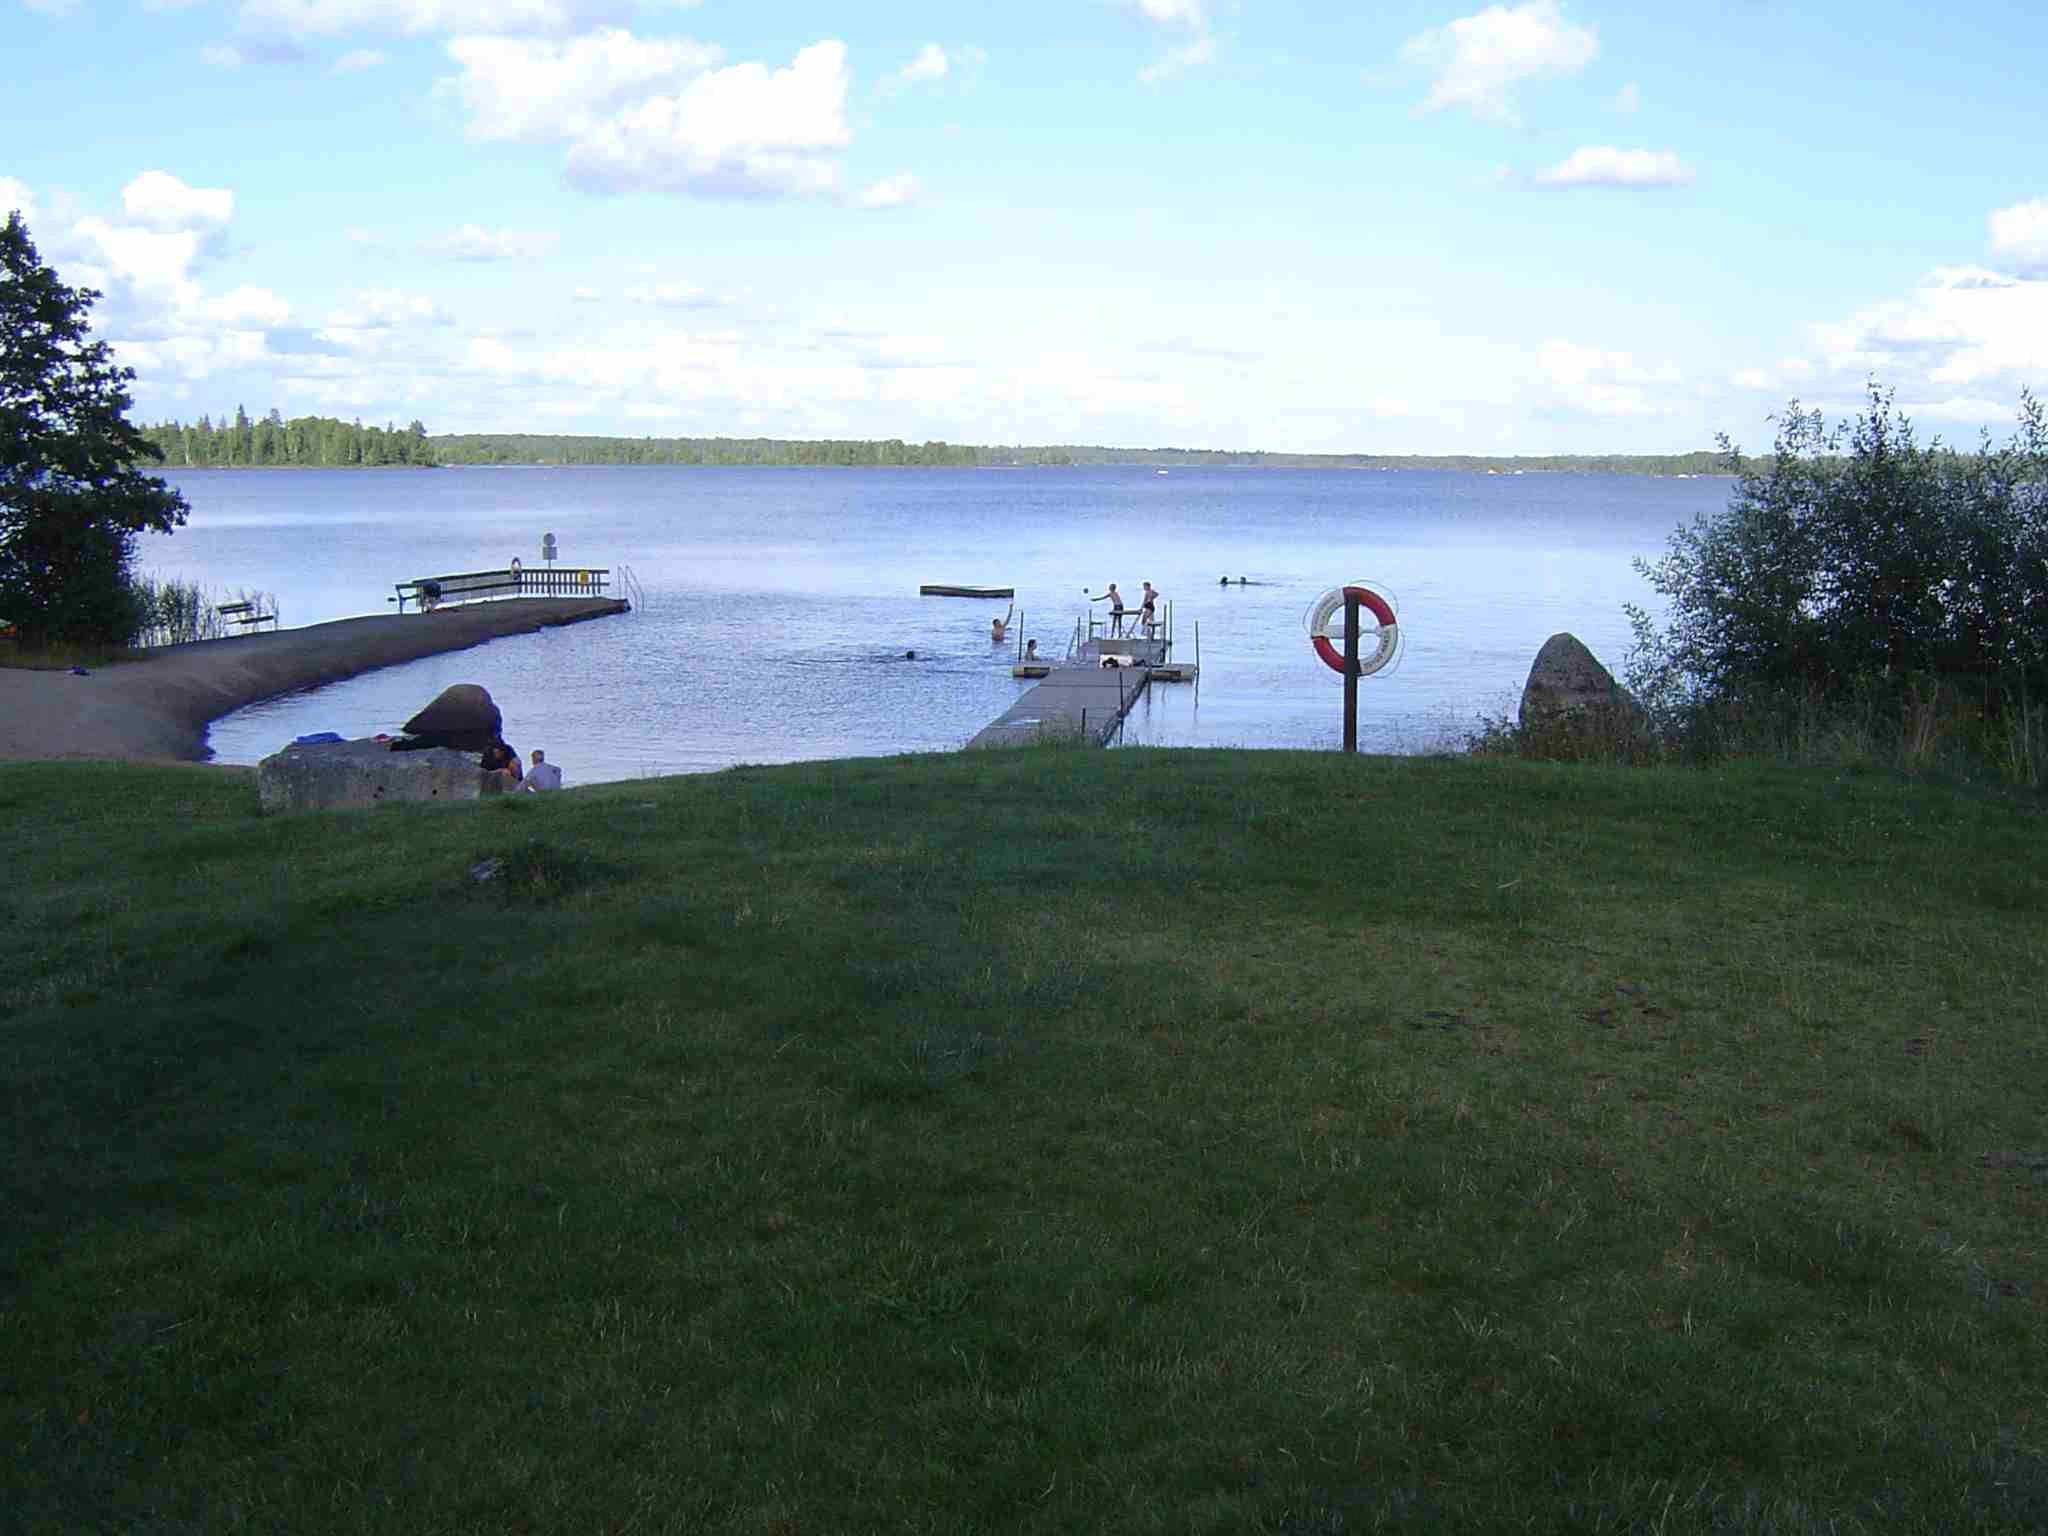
<point x="779" y="602"/>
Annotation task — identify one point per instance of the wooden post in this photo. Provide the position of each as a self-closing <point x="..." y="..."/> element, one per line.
<point x="1350" y="673"/>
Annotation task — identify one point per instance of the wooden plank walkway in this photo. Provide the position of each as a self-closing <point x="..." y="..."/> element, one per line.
<point x="1085" y="701"/>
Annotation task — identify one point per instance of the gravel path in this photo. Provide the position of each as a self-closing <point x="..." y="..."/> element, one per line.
<point x="160" y="708"/>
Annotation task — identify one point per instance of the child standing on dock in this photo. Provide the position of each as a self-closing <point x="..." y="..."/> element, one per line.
<point x="1116" y="607"/>
<point x="1145" y="610"/>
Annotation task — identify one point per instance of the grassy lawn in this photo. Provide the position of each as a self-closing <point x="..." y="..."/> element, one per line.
<point x="1038" y="1141"/>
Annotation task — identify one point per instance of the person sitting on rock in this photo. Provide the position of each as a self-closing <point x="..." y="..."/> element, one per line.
<point x="500" y="759"/>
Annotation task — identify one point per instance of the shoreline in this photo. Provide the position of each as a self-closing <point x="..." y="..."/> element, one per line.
<point x="158" y="710"/>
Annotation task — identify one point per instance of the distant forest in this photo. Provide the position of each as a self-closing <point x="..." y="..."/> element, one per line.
<point x="530" y="448"/>
<point x="305" y="442"/>
<point x="321" y="442"/>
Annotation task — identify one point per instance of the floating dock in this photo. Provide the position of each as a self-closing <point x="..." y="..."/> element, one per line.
<point x="1083" y="700"/>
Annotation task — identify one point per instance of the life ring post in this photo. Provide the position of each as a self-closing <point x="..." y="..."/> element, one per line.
<point x="1350" y="669"/>
<point x="1340" y="651"/>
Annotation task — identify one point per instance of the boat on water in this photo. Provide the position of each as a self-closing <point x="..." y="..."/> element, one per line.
<point x="936" y="590"/>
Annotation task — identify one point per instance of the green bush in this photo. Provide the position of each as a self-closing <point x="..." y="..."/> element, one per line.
<point x="1858" y="577"/>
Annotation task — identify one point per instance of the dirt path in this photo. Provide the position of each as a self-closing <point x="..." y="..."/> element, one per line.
<point x="160" y="708"/>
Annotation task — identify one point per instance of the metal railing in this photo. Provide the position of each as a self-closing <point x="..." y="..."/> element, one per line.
<point x="1128" y="626"/>
<point x="630" y="589"/>
<point x="469" y="586"/>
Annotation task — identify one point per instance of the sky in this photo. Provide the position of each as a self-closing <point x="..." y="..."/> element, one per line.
<point x="1238" y="224"/>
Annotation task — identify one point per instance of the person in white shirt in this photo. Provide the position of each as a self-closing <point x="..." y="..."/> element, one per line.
<point x="543" y="774"/>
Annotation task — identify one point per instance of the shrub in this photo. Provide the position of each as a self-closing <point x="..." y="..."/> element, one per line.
<point x="1889" y="582"/>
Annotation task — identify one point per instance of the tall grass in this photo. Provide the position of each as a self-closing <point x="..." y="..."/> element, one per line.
<point x="177" y="612"/>
<point x="1928" y="729"/>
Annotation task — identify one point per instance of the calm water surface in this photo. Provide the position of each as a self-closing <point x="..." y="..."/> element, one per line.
<point x="779" y="603"/>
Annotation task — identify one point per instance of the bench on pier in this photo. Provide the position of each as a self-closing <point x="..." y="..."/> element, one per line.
<point x="429" y="592"/>
<point x="244" y="615"/>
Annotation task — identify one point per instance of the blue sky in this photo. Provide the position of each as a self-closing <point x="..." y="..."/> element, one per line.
<point x="1517" y="228"/>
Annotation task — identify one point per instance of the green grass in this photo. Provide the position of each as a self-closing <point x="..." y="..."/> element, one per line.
<point x="1027" y="1141"/>
<point x="61" y="658"/>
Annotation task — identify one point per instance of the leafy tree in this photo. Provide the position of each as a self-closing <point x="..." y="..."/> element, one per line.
<point x="71" y="501"/>
<point x="1855" y="561"/>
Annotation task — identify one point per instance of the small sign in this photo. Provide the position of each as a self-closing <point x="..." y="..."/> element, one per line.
<point x="547" y="546"/>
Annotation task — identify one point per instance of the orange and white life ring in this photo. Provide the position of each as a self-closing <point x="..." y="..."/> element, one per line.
<point x="1331" y="647"/>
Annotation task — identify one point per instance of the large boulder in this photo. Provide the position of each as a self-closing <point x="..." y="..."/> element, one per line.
<point x="1573" y="707"/>
<point x="349" y="775"/>
<point x="462" y="716"/>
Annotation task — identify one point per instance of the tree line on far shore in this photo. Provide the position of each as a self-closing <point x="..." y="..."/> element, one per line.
<point x="322" y="442"/>
<point x="304" y="442"/>
<point x="890" y="453"/>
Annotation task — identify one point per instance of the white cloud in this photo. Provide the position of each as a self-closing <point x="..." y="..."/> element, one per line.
<point x="160" y="201"/>
<point x="472" y="242"/>
<point x="1187" y="12"/>
<point x="2020" y="235"/>
<point x="744" y="130"/>
<point x="52" y="7"/>
<point x="649" y="115"/>
<point x="382" y="308"/>
<point x="1480" y="59"/>
<point x="155" y="263"/>
<point x="330" y="18"/>
<point x="149" y="260"/>
<point x="523" y="88"/>
<point x="1787" y="373"/>
<point x="146" y="263"/>
<point x="382" y="321"/>
<point x="896" y="350"/>
<point x="1175" y="60"/>
<point x="191" y="355"/>
<point x="1602" y="165"/>
<point x="1970" y="408"/>
<point x="587" y="296"/>
<point x="670" y="295"/>
<point x="247" y="309"/>
<point x="1627" y="100"/>
<point x="1603" y="383"/>
<point x="15" y="197"/>
<point x="930" y="64"/>
<point x="356" y="60"/>
<point x="898" y="191"/>
<point x="1199" y="50"/>
<point x="1963" y="326"/>
<point x="221" y="56"/>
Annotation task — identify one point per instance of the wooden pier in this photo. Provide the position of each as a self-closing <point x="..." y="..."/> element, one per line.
<point x="1082" y="700"/>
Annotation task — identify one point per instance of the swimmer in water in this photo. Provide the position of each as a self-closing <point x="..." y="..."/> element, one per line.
<point x="998" y="627"/>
